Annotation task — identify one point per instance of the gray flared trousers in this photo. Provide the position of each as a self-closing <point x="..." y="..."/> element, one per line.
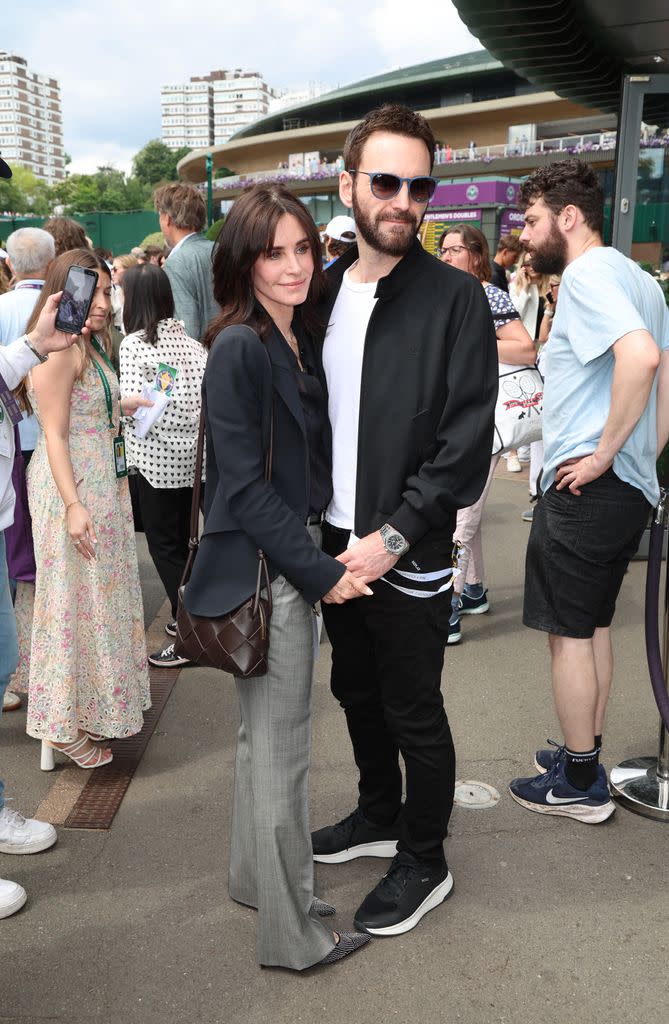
<point x="271" y="865"/>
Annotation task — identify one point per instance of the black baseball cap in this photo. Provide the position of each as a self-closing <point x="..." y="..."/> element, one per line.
<point x="5" y="171"/>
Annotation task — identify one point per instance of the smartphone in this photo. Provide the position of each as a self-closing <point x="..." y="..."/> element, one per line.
<point x="76" y="299"/>
<point x="549" y="298"/>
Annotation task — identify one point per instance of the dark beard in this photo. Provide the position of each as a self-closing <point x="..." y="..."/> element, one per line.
<point x="551" y="258"/>
<point x="371" y="233"/>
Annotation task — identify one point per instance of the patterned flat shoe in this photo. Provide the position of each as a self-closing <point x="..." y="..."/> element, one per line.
<point x="322" y="908"/>
<point x="348" y="943"/>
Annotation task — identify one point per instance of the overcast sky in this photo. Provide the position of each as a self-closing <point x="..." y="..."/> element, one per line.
<point x="111" y="67"/>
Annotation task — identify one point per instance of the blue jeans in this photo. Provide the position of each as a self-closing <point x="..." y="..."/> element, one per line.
<point x="9" y="646"/>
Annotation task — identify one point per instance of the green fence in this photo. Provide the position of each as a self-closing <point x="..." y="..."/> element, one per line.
<point x="115" y="231"/>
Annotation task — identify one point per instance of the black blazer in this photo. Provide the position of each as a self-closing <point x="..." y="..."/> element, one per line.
<point x="427" y="398"/>
<point x="243" y="380"/>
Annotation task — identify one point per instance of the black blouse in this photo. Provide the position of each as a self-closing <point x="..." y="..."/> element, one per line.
<point x="314" y="409"/>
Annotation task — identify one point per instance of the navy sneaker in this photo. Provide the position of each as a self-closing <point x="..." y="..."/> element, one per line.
<point x="354" y="837"/>
<point x="545" y="760"/>
<point x="552" y="793"/>
<point x="404" y="895"/>
<point x="454" y="631"/>
<point x="474" y="605"/>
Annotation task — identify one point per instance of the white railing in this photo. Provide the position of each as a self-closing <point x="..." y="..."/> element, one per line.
<point x="571" y="144"/>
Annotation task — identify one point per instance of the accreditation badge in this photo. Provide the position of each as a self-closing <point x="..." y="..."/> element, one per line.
<point x="119" y="456"/>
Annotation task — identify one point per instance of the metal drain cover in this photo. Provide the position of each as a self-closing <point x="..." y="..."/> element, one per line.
<point x="477" y="795"/>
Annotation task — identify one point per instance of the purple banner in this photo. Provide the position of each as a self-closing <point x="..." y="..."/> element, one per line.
<point x="511" y="222"/>
<point x="504" y="193"/>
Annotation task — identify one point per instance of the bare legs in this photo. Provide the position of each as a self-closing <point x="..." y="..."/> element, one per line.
<point x="581" y="671"/>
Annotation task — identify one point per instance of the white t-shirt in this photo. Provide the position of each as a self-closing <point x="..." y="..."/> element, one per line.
<point x="342" y="360"/>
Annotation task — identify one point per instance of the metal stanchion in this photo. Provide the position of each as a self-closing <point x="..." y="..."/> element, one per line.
<point x="641" y="784"/>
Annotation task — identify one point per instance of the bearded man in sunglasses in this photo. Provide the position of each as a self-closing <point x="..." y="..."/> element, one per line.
<point x="410" y="362"/>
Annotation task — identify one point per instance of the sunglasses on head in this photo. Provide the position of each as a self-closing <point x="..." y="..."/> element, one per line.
<point x="387" y="186"/>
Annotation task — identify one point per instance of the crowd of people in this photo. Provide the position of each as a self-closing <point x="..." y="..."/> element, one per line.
<point x="350" y="415"/>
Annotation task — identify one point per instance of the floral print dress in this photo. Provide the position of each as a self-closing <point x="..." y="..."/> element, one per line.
<point x="87" y="667"/>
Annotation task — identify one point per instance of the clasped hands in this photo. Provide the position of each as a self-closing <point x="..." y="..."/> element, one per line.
<point x="365" y="561"/>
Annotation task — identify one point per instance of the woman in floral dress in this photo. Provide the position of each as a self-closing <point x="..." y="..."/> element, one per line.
<point x="88" y="673"/>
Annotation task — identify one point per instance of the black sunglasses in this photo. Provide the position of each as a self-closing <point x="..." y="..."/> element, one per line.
<point x="386" y="186"/>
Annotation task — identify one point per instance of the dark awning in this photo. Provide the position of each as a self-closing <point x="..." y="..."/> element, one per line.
<point x="579" y="49"/>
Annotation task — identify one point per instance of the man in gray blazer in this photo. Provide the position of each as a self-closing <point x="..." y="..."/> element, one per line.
<point x="182" y="215"/>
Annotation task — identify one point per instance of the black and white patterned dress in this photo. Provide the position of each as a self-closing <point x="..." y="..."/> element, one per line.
<point x="166" y="456"/>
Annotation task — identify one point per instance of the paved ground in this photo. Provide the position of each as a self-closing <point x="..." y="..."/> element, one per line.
<point x="551" y="920"/>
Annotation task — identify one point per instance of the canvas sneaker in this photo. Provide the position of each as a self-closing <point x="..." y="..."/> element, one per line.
<point x="24" y="835"/>
<point x="12" y="897"/>
<point x="552" y="793"/>
<point x="167" y="658"/>
<point x="354" y="837"/>
<point x="171" y="628"/>
<point x="404" y="895"/>
<point x="474" y="605"/>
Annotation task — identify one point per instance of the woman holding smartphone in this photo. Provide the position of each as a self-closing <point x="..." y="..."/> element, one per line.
<point x="260" y="382"/>
<point x="88" y="676"/>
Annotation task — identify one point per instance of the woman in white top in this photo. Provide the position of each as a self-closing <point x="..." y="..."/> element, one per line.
<point x="165" y="458"/>
<point x="528" y="293"/>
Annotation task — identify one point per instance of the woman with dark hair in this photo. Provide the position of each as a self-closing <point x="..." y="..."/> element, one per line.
<point x="260" y="382"/>
<point x="88" y="676"/>
<point x="466" y="248"/>
<point x="165" y="457"/>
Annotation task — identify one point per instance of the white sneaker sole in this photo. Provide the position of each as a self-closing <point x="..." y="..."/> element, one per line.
<point x="381" y="849"/>
<point x="7" y="909"/>
<point x="35" y="847"/>
<point x="435" y="898"/>
<point x="579" y="812"/>
<point x="540" y="768"/>
<point x="454" y="638"/>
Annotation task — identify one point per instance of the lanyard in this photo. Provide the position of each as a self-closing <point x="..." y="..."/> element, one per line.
<point x="105" y="383"/>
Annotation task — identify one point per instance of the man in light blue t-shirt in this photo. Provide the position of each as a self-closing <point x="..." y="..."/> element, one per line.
<point x="606" y="418"/>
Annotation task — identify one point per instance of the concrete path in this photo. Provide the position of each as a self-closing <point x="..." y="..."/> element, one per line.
<point x="551" y="920"/>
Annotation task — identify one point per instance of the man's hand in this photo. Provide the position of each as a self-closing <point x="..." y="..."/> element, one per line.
<point x="44" y="337"/>
<point x="574" y="473"/>
<point x="368" y="558"/>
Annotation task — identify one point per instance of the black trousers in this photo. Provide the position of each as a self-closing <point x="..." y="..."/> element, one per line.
<point x="166" y="518"/>
<point x="387" y="657"/>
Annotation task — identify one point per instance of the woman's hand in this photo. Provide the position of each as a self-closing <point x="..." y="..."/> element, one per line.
<point x="81" y="530"/>
<point x="44" y="337"/>
<point x="131" y="403"/>
<point x="346" y="588"/>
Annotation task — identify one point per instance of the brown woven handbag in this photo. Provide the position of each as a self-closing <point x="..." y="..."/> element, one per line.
<point x="237" y="642"/>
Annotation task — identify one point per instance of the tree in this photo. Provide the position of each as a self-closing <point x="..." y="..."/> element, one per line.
<point x="107" y="190"/>
<point x="24" y="193"/>
<point x="156" y="162"/>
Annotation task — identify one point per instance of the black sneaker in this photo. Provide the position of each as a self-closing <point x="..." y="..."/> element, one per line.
<point x="354" y="837"/>
<point x="403" y="896"/>
<point x="171" y="629"/>
<point x="168" y="659"/>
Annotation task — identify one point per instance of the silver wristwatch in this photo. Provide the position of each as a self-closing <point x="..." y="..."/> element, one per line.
<point x="393" y="541"/>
